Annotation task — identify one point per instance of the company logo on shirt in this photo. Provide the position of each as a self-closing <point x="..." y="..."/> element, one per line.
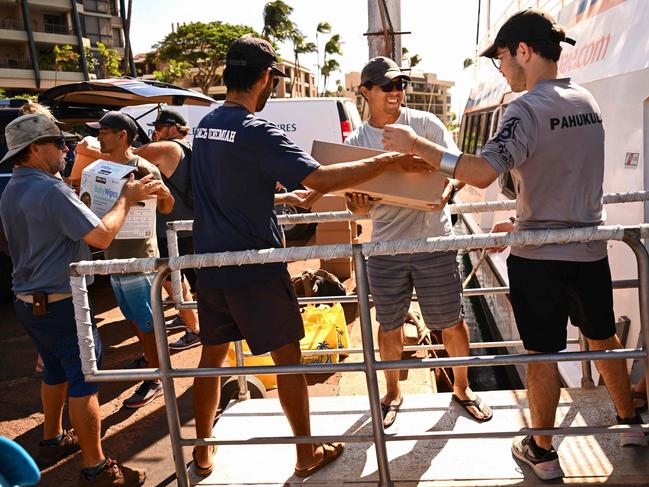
<point x="215" y="134"/>
<point x="576" y="120"/>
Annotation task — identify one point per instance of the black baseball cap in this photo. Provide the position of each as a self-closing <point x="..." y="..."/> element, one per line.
<point x="117" y="121"/>
<point x="528" y="25"/>
<point x="167" y="116"/>
<point x="253" y="52"/>
<point x="380" y="71"/>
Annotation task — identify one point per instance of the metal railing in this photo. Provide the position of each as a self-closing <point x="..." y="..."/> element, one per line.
<point x="631" y="235"/>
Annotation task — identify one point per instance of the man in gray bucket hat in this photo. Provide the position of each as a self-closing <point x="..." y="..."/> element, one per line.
<point x="47" y="228"/>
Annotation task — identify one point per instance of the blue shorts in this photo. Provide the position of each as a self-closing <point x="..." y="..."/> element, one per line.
<point x="55" y="337"/>
<point x="133" y="294"/>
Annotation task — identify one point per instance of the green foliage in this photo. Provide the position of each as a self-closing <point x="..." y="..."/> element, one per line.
<point x="323" y="27"/>
<point x="176" y="70"/>
<point x="333" y="46"/>
<point x="66" y="58"/>
<point x="108" y="62"/>
<point x="467" y="62"/>
<point x="329" y="64"/>
<point x="300" y="46"/>
<point x="91" y="61"/>
<point x="202" y="46"/>
<point x="277" y="24"/>
<point x="415" y="60"/>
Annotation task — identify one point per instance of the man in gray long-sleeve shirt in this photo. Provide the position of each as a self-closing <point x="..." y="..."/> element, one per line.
<point x="552" y="141"/>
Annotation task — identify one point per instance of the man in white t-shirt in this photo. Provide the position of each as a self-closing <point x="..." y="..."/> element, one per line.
<point x="435" y="276"/>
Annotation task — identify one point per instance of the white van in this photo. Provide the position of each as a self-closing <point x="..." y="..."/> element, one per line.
<point x="303" y="119"/>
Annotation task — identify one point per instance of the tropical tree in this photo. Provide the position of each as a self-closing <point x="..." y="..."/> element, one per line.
<point x="332" y="47"/>
<point x="175" y="70"/>
<point x="467" y="62"/>
<point x="300" y="46"/>
<point x="278" y="26"/>
<point x="413" y="59"/>
<point x="203" y="46"/>
<point x="330" y="66"/>
<point x="322" y="28"/>
<point x="108" y="62"/>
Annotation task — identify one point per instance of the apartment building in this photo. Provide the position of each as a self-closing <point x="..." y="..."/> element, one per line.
<point x="29" y="30"/>
<point x="425" y="92"/>
<point x="303" y="86"/>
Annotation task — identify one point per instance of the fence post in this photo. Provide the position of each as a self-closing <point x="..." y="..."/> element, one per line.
<point x="363" y="291"/>
<point x="171" y="406"/>
<point x="176" y="276"/>
<point x="632" y="239"/>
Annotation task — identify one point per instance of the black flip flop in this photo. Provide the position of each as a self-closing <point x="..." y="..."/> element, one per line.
<point x="467" y="403"/>
<point x="390" y="408"/>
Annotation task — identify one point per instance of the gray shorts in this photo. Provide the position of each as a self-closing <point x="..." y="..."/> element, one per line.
<point x="435" y="277"/>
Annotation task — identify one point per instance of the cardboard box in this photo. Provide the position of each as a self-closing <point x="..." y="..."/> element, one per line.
<point x="101" y="185"/>
<point x="409" y="190"/>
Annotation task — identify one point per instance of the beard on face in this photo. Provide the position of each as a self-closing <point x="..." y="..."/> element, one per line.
<point x="264" y="95"/>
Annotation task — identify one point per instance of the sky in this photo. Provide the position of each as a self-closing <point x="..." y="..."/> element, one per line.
<point x="443" y="31"/>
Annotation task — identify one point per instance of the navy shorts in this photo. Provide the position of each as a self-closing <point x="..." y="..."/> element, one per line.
<point x="435" y="277"/>
<point x="545" y="293"/>
<point x="265" y="314"/>
<point x="55" y="337"/>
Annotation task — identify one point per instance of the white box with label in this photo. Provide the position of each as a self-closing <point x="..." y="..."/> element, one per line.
<point x="101" y="185"/>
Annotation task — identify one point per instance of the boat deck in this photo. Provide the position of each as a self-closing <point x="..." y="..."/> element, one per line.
<point x="459" y="462"/>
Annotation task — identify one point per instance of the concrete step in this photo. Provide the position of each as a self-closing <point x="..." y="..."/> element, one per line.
<point x="460" y="462"/>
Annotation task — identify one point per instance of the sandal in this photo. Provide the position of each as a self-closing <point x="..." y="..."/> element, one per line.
<point x="203" y="471"/>
<point x="467" y="403"/>
<point x="331" y="452"/>
<point x="639" y="396"/>
<point x="390" y="413"/>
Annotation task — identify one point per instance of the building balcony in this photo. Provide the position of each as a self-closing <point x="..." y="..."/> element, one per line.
<point x="12" y="24"/>
<point x="13" y="35"/>
<point x="51" y="28"/>
<point x="52" y="38"/>
<point x="52" y="5"/>
<point x="15" y="63"/>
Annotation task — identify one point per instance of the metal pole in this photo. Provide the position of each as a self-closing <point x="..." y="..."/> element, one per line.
<point x="176" y="276"/>
<point x="362" y="289"/>
<point x="171" y="406"/>
<point x="632" y="239"/>
<point x="586" y="371"/>
<point x="244" y="394"/>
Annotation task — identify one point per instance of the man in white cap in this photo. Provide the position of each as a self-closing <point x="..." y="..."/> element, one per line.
<point x="47" y="228"/>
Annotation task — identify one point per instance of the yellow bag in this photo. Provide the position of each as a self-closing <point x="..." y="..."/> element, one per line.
<point x="324" y="328"/>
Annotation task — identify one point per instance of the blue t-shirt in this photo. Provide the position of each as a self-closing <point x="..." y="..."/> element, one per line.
<point x="45" y="223"/>
<point x="236" y="162"/>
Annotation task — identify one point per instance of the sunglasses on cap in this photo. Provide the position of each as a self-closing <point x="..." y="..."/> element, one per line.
<point x="275" y="81"/>
<point x="399" y="84"/>
<point x="59" y="142"/>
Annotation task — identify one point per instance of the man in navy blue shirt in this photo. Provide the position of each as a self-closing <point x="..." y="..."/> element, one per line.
<point x="237" y="161"/>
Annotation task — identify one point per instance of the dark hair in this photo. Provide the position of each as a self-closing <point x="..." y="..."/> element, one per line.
<point x="546" y="49"/>
<point x="21" y="156"/>
<point x="241" y="78"/>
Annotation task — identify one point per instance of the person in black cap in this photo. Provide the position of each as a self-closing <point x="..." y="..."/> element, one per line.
<point x="551" y="139"/>
<point x="392" y="277"/>
<point x="132" y="291"/>
<point x="236" y="163"/>
<point x="171" y="153"/>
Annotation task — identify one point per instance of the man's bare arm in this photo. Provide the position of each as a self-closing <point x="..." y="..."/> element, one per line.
<point x="164" y="154"/>
<point x="347" y="174"/>
<point x="470" y="169"/>
<point x="133" y="191"/>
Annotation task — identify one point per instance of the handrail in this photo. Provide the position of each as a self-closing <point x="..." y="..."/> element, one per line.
<point x="629" y="234"/>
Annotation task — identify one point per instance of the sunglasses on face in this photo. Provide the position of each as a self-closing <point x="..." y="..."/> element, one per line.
<point x="160" y="127"/>
<point x="399" y="84"/>
<point x="58" y="142"/>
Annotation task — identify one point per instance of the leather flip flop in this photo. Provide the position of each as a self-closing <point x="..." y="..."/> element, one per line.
<point x="467" y="403"/>
<point x="331" y="452"/>
<point x="203" y="471"/>
<point x="389" y="412"/>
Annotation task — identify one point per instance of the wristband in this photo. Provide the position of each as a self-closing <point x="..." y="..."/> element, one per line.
<point x="513" y="220"/>
<point x="448" y="163"/>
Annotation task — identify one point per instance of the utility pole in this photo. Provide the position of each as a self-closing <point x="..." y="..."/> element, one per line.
<point x="383" y="34"/>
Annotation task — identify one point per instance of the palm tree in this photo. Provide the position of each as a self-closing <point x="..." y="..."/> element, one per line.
<point x="277" y="24"/>
<point x="299" y="47"/>
<point x="322" y="28"/>
<point x="328" y="67"/>
<point x="332" y="47"/>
